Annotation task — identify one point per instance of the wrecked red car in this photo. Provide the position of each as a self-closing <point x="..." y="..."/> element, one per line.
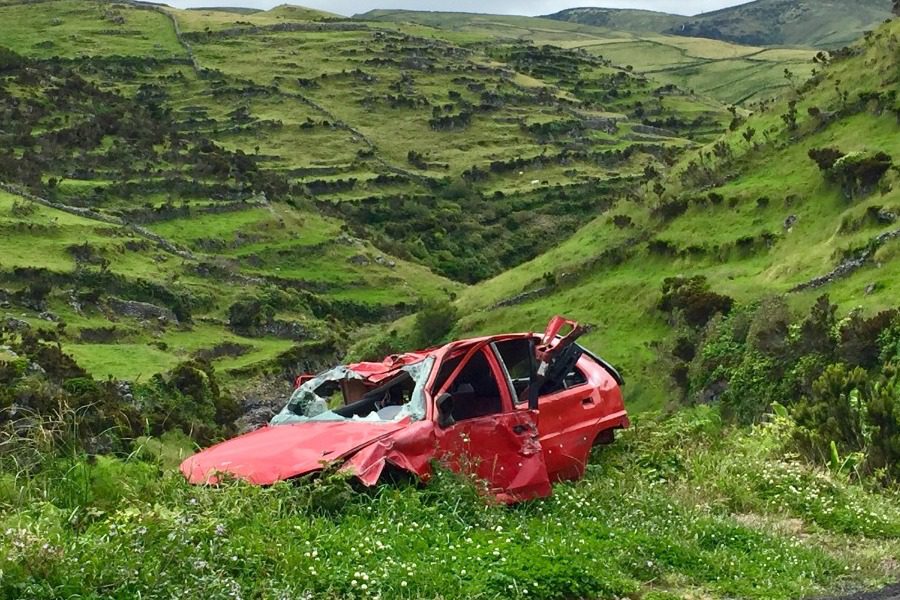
<point x="518" y="411"/>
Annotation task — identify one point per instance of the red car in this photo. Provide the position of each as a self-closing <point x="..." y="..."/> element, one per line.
<point x="516" y="410"/>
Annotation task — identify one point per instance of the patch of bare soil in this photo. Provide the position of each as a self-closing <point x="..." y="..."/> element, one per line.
<point x="891" y="592"/>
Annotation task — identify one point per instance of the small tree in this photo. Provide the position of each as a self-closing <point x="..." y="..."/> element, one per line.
<point x="748" y="135"/>
<point x="790" y="117"/>
<point x="434" y="321"/>
<point x="692" y="298"/>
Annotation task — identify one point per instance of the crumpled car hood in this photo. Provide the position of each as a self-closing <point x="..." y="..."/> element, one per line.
<point x="275" y="453"/>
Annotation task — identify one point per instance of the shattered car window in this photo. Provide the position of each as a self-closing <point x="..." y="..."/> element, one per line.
<point x="342" y="394"/>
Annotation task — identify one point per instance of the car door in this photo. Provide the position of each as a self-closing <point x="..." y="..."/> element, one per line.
<point x="569" y="408"/>
<point x="484" y="435"/>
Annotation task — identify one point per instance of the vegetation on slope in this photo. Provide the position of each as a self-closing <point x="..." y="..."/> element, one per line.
<point x="731" y="73"/>
<point x="203" y="158"/>
<point x="681" y="506"/>
<point x="823" y="24"/>
<point x="753" y="214"/>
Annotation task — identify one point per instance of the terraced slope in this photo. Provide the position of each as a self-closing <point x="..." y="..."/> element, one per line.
<point x="752" y="213"/>
<point x="728" y="72"/>
<point x="259" y="180"/>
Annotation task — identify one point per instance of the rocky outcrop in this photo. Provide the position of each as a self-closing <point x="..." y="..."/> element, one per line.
<point x="141" y="310"/>
<point x="849" y="265"/>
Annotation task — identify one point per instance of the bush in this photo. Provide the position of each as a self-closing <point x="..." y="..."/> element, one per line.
<point x="622" y="221"/>
<point x="434" y="321"/>
<point x="691" y="298"/>
<point x="187" y="399"/>
<point x="858" y="173"/>
<point x="825" y="157"/>
<point x="860" y="338"/>
<point x="769" y="328"/>
<point x="249" y="316"/>
<point x="671" y="209"/>
<point x="817" y="334"/>
<point x="834" y="412"/>
<point x="884" y="418"/>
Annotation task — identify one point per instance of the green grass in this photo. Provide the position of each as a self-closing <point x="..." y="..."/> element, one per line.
<point x="676" y="508"/>
<point x="70" y="28"/>
<point x="122" y="360"/>
<point x="825" y="24"/>
<point x="728" y="72"/>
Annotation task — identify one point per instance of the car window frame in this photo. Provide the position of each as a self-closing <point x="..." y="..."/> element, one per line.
<point x="511" y="388"/>
<point x="507" y="404"/>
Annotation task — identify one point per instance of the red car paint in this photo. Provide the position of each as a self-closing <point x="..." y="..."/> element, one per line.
<point x="491" y="424"/>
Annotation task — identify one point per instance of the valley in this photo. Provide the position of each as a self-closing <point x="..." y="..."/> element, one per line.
<point x="199" y="205"/>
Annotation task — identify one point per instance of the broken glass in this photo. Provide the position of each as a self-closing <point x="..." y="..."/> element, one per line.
<point x="399" y="395"/>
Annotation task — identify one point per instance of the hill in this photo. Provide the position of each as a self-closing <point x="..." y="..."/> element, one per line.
<point x="253" y="183"/>
<point x="730" y="73"/>
<point x="198" y="205"/>
<point x="753" y="214"/>
<point x="827" y="24"/>
<point x="620" y="19"/>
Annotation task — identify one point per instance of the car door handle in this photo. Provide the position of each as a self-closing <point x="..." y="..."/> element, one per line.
<point x="588" y="401"/>
<point x="520" y="429"/>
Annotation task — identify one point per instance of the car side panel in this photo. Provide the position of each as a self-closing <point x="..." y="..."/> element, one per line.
<point x="502" y="450"/>
<point x="571" y="419"/>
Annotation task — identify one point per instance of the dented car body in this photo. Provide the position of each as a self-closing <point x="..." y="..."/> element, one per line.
<point x="518" y="411"/>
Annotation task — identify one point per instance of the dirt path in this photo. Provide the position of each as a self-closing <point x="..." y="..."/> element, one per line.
<point x="892" y="592"/>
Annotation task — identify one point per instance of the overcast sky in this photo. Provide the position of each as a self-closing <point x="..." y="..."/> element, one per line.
<point x="511" y="7"/>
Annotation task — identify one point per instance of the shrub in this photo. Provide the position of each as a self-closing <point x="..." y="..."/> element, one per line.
<point x="671" y="209"/>
<point x="662" y="248"/>
<point x="692" y="299"/>
<point x="834" y="412"/>
<point x="753" y="385"/>
<point x="825" y="157"/>
<point x="250" y="315"/>
<point x="884" y="418"/>
<point x="769" y="328"/>
<point x="434" y="321"/>
<point x="188" y="399"/>
<point x="860" y="338"/>
<point x="36" y="293"/>
<point x="889" y="343"/>
<point x="817" y="331"/>
<point x="622" y="221"/>
<point x="858" y="173"/>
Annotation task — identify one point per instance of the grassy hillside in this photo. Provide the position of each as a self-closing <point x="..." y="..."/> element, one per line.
<point x="828" y="24"/>
<point x="755" y="217"/>
<point x="620" y="19"/>
<point x="196" y="201"/>
<point x="213" y="157"/>
<point x="730" y="73"/>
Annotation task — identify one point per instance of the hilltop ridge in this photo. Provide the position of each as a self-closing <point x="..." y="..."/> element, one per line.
<point x="824" y="24"/>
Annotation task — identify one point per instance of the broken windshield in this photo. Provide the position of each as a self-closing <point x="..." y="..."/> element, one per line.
<point x="342" y="394"/>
